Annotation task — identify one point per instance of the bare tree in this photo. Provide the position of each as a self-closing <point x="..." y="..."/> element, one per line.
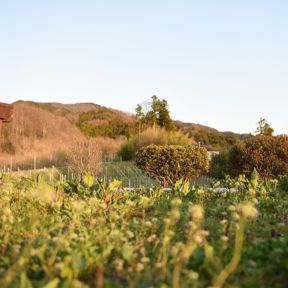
<point x="85" y="156"/>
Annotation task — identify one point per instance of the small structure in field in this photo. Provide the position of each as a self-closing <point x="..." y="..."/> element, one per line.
<point x="6" y="114"/>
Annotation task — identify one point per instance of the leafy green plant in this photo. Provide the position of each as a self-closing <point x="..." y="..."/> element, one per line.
<point x="90" y="234"/>
<point x="169" y="163"/>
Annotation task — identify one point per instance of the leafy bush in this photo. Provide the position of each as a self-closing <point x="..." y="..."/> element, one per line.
<point x="156" y="136"/>
<point x="128" y="150"/>
<point x="268" y="154"/>
<point x="169" y="163"/>
<point x="219" y="165"/>
<point x="283" y="183"/>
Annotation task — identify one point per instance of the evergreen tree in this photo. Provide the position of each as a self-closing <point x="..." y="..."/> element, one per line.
<point x="140" y="115"/>
<point x="157" y="115"/>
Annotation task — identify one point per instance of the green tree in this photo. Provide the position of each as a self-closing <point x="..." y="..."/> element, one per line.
<point x="164" y="119"/>
<point x="157" y="115"/>
<point x="264" y="128"/>
<point x="140" y="115"/>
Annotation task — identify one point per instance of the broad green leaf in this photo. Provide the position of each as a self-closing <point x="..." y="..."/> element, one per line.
<point x="127" y="251"/>
<point x="115" y="184"/>
<point x="186" y="188"/>
<point x="88" y="179"/>
<point x="53" y="283"/>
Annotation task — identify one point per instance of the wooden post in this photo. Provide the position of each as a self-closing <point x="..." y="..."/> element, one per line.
<point x="34" y="164"/>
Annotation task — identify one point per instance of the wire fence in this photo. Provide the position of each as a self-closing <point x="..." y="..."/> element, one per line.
<point x="127" y="172"/>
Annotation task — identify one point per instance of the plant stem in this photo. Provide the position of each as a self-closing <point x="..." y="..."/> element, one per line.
<point x="176" y="275"/>
<point x="229" y="269"/>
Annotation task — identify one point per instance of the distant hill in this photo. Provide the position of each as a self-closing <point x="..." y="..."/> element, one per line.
<point x="210" y="137"/>
<point x="44" y="129"/>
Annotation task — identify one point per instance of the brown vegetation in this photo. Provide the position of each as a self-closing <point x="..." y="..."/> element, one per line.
<point x="267" y="154"/>
<point x="85" y="156"/>
<point x="44" y="134"/>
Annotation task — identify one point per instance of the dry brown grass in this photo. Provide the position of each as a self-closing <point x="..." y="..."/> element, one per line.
<point x="159" y="136"/>
<point x="36" y="132"/>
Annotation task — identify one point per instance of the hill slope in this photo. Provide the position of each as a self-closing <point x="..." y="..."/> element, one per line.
<point x="45" y="129"/>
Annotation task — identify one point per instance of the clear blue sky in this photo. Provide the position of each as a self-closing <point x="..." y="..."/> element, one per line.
<point x="218" y="63"/>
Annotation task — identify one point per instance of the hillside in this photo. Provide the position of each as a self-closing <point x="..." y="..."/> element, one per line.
<point x="46" y="130"/>
<point x="210" y="137"/>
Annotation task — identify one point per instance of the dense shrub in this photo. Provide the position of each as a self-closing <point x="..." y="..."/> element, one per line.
<point x="219" y="165"/>
<point x="128" y="150"/>
<point x="156" y="136"/>
<point x="268" y="154"/>
<point x="169" y="163"/>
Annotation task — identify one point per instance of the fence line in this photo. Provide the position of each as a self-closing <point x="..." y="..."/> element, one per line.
<point x="128" y="173"/>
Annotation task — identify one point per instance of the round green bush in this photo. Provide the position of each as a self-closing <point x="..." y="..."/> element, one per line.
<point x="169" y="163"/>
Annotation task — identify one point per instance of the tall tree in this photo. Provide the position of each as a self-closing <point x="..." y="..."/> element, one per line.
<point x="140" y="115"/>
<point x="164" y="119"/>
<point x="264" y="128"/>
<point x="157" y="115"/>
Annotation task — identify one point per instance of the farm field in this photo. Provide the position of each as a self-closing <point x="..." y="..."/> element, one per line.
<point x="89" y="234"/>
<point x="132" y="176"/>
<point x="126" y="171"/>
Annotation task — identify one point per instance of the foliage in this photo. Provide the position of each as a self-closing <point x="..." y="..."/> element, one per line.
<point x="219" y="165"/>
<point x="50" y="237"/>
<point x="104" y="122"/>
<point x="210" y="137"/>
<point x="156" y="136"/>
<point x="268" y="154"/>
<point x="169" y="163"/>
<point x="157" y="114"/>
<point x="128" y="150"/>
<point x="215" y="139"/>
<point x="283" y="183"/>
<point x="264" y="128"/>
